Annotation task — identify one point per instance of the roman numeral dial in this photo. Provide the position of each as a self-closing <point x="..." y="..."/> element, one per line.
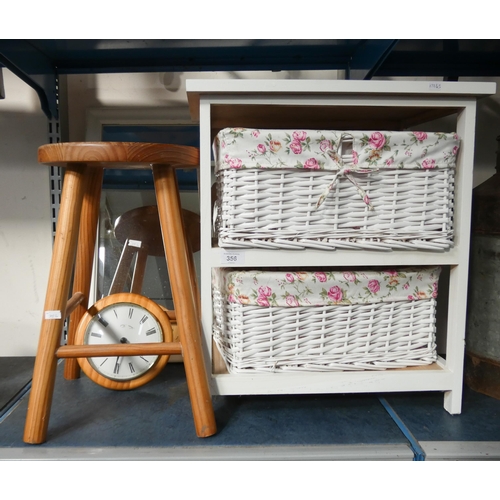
<point x="115" y="321"/>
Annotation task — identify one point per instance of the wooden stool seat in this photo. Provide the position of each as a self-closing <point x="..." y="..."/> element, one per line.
<point x="143" y="224"/>
<point x="122" y="155"/>
<point x="74" y="249"/>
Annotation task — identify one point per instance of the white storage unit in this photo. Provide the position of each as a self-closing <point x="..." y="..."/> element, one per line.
<point x="342" y="105"/>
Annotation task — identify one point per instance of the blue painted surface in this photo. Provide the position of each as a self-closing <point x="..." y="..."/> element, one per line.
<point x="424" y="415"/>
<point x="15" y="373"/>
<point x="159" y="415"/>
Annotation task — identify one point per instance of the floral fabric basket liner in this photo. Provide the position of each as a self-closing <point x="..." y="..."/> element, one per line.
<point x="325" y="320"/>
<point x="383" y="172"/>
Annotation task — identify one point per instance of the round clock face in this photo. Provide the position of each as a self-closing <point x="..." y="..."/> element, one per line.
<point x="123" y="319"/>
<point x="123" y="323"/>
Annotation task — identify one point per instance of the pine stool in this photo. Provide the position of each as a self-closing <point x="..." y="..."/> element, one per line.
<point x="76" y="228"/>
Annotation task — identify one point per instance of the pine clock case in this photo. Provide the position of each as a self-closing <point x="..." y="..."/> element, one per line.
<point x="91" y="369"/>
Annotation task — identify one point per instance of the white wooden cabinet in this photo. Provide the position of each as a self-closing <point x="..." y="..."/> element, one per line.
<point x="343" y="105"/>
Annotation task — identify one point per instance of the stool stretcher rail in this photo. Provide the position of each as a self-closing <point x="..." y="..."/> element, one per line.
<point x="86" y="351"/>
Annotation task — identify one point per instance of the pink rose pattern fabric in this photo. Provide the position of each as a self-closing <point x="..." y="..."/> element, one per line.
<point x="320" y="288"/>
<point x="332" y="150"/>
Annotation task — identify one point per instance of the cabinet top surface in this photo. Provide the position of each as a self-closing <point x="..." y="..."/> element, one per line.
<point x="223" y="86"/>
<point x="249" y="92"/>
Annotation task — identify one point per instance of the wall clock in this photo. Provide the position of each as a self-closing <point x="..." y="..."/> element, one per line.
<point x="124" y="318"/>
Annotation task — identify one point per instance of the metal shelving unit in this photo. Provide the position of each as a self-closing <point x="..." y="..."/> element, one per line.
<point x="40" y="62"/>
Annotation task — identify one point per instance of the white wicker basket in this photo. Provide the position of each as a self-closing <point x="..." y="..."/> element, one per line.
<point x="349" y="196"/>
<point x="395" y="332"/>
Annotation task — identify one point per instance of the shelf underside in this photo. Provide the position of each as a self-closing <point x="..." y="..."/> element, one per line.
<point x="324" y="117"/>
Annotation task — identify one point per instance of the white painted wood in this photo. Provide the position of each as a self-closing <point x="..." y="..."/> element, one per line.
<point x="195" y="88"/>
<point x="299" y="99"/>
<point x="333" y="382"/>
<point x="276" y="258"/>
<point x="438" y="88"/>
<point x="205" y="181"/>
<point x="459" y="274"/>
<point x="413" y="101"/>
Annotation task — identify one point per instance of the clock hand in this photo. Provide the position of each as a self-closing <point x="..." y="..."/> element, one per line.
<point x="123" y="340"/>
<point x="110" y="331"/>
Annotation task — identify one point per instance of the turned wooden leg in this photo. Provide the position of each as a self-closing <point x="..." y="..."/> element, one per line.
<point x="84" y="259"/>
<point x="192" y="274"/>
<point x="184" y="297"/>
<point x="63" y="258"/>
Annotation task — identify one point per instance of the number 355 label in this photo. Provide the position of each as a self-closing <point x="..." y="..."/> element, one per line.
<point x="232" y="258"/>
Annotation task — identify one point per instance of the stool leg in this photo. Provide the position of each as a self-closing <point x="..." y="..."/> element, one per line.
<point x="84" y="259"/>
<point x="192" y="274"/>
<point x="63" y="258"/>
<point x="186" y="309"/>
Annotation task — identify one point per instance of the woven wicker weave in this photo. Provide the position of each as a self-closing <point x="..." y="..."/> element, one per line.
<point x="328" y="338"/>
<point x="412" y="209"/>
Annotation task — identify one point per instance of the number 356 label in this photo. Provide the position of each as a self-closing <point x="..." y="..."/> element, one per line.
<point x="232" y="258"/>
